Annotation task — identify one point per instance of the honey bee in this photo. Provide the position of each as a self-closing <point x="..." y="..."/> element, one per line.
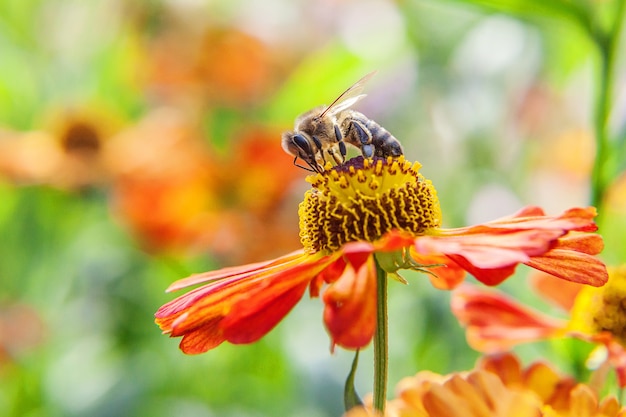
<point x="324" y="131"/>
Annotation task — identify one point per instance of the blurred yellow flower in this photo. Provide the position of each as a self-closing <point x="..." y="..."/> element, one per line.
<point x="497" y="387"/>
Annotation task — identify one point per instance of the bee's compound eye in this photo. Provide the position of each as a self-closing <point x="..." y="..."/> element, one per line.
<point x="301" y="142"/>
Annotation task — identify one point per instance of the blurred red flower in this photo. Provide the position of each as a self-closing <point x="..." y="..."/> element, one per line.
<point x="496" y="323"/>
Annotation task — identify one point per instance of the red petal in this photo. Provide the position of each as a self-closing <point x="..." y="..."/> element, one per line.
<point x="394" y="240"/>
<point x="487" y="276"/>
<point x="496" y="323"/>
<point x="350" y="312"/>
<point x="255" y="316"/>
<point x="357" y="253"/>
<point x="445" y="277"/>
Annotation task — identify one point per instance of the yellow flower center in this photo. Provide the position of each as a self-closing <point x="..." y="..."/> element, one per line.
<point x="603" y="308"/>
<point x="363" y="199"/>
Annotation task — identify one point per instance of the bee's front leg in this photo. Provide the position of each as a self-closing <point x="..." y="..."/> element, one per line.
<point x="341" y="144"/>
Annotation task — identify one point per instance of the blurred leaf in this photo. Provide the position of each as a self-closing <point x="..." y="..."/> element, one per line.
<point x="566" y="11"/>
<point x="318" y="80"/>
<point x="20" y="95"/>
<point x="350" y="396"/>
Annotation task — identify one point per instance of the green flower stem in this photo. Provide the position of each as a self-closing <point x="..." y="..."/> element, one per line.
<point x="607" y="44"/>
<point x="381" y="341"/>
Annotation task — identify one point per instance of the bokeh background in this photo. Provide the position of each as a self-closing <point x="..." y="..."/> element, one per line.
<point x="140" y="142"/>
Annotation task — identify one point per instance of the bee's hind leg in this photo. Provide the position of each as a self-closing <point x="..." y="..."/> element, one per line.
<point x="365" y="139"/>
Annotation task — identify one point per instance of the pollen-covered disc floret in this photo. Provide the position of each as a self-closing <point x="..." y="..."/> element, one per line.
<point x="363" y="199"/>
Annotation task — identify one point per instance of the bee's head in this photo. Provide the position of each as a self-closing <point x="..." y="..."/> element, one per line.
<point x="303" y="146"/>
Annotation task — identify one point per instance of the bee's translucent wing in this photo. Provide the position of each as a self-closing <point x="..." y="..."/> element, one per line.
<point x="348" y="97"/>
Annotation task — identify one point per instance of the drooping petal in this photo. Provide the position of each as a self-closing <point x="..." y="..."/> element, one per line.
<point x="496" y="323"/>
<point x="350" y="312"/>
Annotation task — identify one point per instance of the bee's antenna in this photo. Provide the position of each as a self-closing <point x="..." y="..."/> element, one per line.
<point x="311" y="169"/>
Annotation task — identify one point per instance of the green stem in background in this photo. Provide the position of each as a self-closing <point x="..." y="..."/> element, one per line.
<point x="381" y="342"/>
<point x="607" y="44"/>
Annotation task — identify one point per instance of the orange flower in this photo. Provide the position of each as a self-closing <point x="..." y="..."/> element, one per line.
<point x="496" y="323"/>
<point x="497" y="387"/>
<point x="362" y="214"/>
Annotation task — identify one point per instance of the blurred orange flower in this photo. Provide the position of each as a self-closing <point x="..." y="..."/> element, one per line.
<point x="66" y="154"/>
<point x="224" y="66"/>
<point x="161" y="176"/>
<point x="495" y="322"/>
<point x="177" y="194"/>
<point x="362" y="214"/>
<point x="497" y="387"/>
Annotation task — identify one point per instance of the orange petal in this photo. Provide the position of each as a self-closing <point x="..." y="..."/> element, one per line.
<point x="506" y="366"/>
<point x="533" y="218"/>
<point x="571" y="266"/>
<point x="496" y="323"/>
<point x="350" y="312"/>
<point x="578" y="218"/>
<point x="234" y="271"/>
<point x="589" y="243"/>
<point x="544" y="381"/>
<point x="202" y="339"/>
